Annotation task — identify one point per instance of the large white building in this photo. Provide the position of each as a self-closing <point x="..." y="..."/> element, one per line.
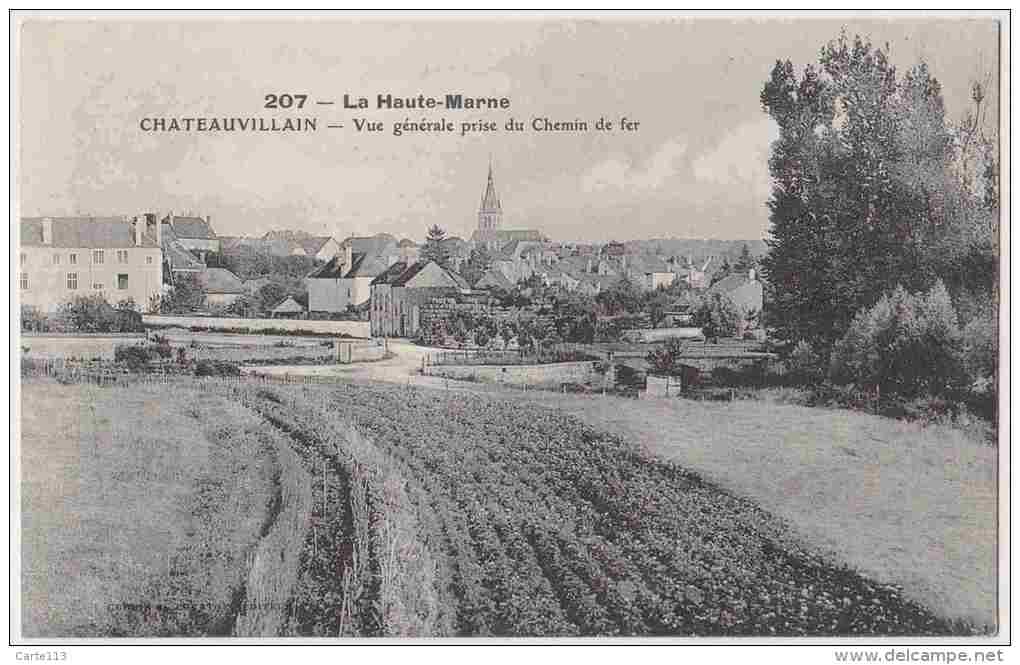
<point x="344" y="281"/>
<point x="115" y="257"/>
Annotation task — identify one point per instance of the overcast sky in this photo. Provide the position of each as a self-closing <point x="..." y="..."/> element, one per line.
<point x="696" y="167"/>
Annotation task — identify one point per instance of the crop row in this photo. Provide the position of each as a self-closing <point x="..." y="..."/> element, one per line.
<point x="548" y="527"/>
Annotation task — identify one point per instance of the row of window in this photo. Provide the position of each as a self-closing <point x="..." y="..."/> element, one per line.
<point x="98" y="257"/>
<point x="72" y="282"/>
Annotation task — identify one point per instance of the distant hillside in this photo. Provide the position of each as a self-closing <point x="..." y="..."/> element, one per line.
<point x="696" y="248"/>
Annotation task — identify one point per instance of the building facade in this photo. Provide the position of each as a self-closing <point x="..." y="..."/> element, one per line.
<point x="118" y="258"/>
<point x="344" y="281"/>
<point x="401" y="291"/>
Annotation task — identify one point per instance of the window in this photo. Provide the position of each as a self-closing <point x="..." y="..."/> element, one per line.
<point x="98" y="256"/>
<point x="72" y="281"/>
<point x="122" y="281"/>
<point x="56" y="259"/>
<point x="97" y="286"/>
<point x="148" y="260"/>
<point x="24" y="280"/>
<point x="121" y="256"/>
<point x="72" y="259"/>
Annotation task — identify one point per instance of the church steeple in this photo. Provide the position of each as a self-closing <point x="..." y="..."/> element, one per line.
<point x="490" y="200"/>
<point x="490" y="215"/>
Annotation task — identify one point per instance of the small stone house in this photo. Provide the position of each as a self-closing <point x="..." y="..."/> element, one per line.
<point x="400" y="292"/>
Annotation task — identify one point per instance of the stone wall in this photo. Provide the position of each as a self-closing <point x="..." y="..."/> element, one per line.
<point x="351" y="328"/>
<point x="551" y="375"/>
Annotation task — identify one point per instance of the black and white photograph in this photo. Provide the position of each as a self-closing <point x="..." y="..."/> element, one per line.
<point x="560" y="328"/>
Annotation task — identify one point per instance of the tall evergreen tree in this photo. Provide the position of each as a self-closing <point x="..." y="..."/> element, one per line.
<point x="435" y="248"/>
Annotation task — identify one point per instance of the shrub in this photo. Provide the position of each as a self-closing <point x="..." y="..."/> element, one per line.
<point x="906" y="345"/>
<point x="163" y="348"/>
<point x="980" y="348"/>
<point x="134" y="356"/>
<point x="804" y="364"/>
<point x="663" y="359"/>
<point x="217" y="368"/>
<point x="718" y="316"/>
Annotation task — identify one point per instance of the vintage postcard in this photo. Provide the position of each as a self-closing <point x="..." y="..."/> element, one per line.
<point x="633" y="326"/>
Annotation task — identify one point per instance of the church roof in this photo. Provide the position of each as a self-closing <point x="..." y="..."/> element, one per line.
<point x="490" y="200"/>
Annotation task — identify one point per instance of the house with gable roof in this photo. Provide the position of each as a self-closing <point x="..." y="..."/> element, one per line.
<point x="400" y="292"/>
<point x="344" y="281"/>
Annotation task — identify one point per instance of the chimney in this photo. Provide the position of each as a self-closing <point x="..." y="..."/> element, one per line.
<point x="348" y="254"/>
<point x="208" y="220"/>
<point x="47" y="231"/>
<point x="138" y="225"/>
<point x="159" y="228"/>
<point x="588" y="269"/>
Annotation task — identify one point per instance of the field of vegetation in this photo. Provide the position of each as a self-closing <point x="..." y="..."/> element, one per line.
<point x="534" y="524"/>
<point x="399" y="511"/>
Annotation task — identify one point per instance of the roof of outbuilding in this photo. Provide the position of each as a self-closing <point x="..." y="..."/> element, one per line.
<point x="86" y="232"/>
<point x="412" y="271"/>
<point x="332" y="269"/>
<point x="195" y="228"/>
<point x="288" y="305"/>
<point x="314" y="244"/>
<point x="221" y="280"/>
<point x="391" y="274"/>
<point x="363" y="265"/>
<point x="494" y="279"/>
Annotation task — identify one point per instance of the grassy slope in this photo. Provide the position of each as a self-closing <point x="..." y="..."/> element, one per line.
<point x="119" y="483"/>
<point x="902" y="504"/>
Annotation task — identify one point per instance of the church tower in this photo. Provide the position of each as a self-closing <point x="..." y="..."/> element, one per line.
<point x="490" y="215"/>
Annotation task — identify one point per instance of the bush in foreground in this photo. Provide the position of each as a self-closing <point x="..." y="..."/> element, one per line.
<point x="907" y="344"/>
<point x="217" y="368"/>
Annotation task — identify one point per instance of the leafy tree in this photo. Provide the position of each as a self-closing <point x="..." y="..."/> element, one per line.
<point x="477" y="264"/>
<point x="186" y="295"/>
<point x="865" y="192"/>
<point x="717" y="316"/>
<point x="663" y="359"/>
<point x="435" y="249"/>
<point x="622" y="297"/>
<point x="270" y="295"/>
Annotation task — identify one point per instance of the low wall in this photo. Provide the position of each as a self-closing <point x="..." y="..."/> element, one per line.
<point x="76" y="346"/>
<point x="653" y="335"/>
<point x="661" y="386"/>
<point x="552" y="374"/>
<point x="352" y="328"/>
<point x="357" y="352"/>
